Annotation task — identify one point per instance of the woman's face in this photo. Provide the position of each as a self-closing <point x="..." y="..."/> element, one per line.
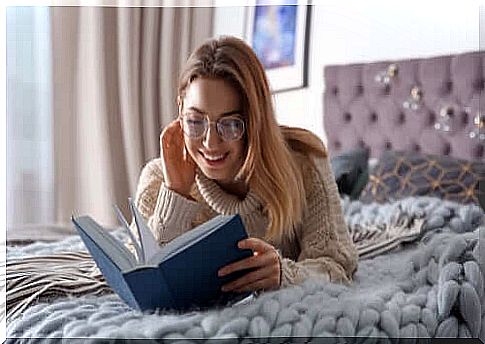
<point x="214" y="99"/>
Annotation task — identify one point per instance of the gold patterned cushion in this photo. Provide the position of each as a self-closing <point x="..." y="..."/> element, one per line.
<point x="402" y="174"/>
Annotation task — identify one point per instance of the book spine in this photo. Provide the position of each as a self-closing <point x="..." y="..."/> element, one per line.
<point x="110" y="271"/>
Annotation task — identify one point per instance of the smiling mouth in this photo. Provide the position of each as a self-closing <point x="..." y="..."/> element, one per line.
<point x="214" y="159"/>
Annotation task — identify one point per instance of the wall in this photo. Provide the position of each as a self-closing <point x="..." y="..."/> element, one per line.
<point x="352" y="31"/>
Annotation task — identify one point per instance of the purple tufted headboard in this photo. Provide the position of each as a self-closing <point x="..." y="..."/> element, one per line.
<point x="374" y="105"/>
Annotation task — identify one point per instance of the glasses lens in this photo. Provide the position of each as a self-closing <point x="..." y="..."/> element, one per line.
<point x="194" y="125"/>
<point x="230" y="128"/>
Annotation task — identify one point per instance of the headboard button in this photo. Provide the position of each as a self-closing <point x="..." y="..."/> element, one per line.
<point x="388" y="145"/>
<point x="373" y="117"/>
<point x="386" y="90"/>
<point x="446" y="149"/>
<point x="417" y="148"/>
<point x="335" y="91"/>
<point x="478" y="152"/>
<point x="449" y="86"/>
<point x="401" y="118"/>
<point x="464" y="118"/>
<point x="431" y="118"/>
<point x="359" y="90"/>
<point x="347" y="117"/>
<point x="479" y="84"/>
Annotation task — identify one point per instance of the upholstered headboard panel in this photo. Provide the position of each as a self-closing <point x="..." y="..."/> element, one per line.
<point x="426" y="105"/>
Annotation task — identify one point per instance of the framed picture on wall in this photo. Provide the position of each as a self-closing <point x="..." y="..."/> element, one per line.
<point x="279" y="35"/>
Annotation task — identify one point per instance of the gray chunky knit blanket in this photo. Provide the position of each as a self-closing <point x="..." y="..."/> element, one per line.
<point x="416" y="283"/>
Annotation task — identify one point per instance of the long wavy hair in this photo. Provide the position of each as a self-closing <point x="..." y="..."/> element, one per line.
<point x="269" y="168"/>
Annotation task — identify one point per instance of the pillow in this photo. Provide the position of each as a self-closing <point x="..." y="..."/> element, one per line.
<point x="402" y="174"/>
<point x="350" y="171"/>
<point x="359" y="184"/>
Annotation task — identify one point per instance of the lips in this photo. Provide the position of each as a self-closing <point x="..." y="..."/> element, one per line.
<point x="214" y="159"/>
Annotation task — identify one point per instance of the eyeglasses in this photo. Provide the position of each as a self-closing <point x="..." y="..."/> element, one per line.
<point x="230" y="128"/>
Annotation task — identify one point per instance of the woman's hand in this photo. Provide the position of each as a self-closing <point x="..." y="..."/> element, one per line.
<point x="265" y="262"/>
<point x="177" y="164"/>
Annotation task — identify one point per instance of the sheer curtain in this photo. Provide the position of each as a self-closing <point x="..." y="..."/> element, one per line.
<point x="88" y="91"/>
<point x="30" y="191"/>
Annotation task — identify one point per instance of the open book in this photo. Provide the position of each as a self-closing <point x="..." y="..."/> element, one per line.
<point x="180" y="275"/>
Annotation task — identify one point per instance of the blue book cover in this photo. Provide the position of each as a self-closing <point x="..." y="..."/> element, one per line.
<point x="182" y="275"/>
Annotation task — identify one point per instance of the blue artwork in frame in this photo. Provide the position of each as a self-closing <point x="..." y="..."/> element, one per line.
<point x="278" y="33"/>
<point x="274" y="35"/>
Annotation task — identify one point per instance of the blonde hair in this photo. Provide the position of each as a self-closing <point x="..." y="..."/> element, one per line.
<point x="269" y="167"/>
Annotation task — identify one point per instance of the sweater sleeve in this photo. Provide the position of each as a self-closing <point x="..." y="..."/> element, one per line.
<point x="167" y="213"/>
<point x="326" y="249"/>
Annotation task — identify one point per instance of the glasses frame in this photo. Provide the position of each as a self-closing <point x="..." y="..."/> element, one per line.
<point x="216" y="123"/>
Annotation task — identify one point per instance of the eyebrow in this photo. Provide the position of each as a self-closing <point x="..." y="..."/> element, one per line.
<point x="228" y="113"/>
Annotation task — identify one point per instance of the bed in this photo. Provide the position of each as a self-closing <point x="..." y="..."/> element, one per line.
<point x="406" y="150"/>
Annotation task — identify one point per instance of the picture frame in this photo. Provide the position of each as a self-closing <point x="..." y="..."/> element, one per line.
<point x="279" y="35"/>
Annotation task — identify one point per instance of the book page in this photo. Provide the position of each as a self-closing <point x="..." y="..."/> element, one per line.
<point x="180" y="243"/>
<point x="115" y="251"/>
<point x="139" y="252"/>
<point x="148" y="243"/>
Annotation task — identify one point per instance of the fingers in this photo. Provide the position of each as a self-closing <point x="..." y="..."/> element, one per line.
<point x="266" y="265"/>
<point x="255" y="261"/>
<point x="188" y="158"/>
<point x="266" y="284"/>
<point x="265" y="278"/>
<point x="172" y="145"/>
<point x="171" y="135"/>
<point x="178" y="167"/>
<point x="261" y="285"/>
<point x="264" y="254"/>
<point x="255" y="244"/>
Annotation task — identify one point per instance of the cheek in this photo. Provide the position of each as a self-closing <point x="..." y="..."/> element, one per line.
<point x="239" y="149"/>
<point x="192" y="147"/>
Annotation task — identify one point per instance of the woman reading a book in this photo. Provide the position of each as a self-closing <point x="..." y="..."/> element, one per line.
<point x="226" y="154"/>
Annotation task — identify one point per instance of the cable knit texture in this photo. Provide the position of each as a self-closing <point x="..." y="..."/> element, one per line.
<point x="321" y="247"/>
<point x="432" y="287"/>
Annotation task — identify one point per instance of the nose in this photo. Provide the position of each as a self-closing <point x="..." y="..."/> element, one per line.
<point x="211" y="137"/>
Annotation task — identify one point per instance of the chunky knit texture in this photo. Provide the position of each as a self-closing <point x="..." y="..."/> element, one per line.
<point x="434" y="289"/>
<point x="321" y="246"/>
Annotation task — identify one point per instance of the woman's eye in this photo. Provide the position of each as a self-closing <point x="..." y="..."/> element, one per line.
<point x="232" y="124"/>
<point x="195" y="121"/>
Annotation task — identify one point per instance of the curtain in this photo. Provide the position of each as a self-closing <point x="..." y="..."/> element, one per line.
<point x="115" y="73"/>
<point x="29" y="118"/>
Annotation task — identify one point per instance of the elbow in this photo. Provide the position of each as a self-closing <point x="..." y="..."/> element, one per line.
<point x="353" y="260"/>
<point x="349" y="262"/>
<point x="344" y="265"/>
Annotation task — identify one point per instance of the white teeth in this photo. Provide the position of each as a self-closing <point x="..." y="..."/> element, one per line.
<point x="214" y="158"/>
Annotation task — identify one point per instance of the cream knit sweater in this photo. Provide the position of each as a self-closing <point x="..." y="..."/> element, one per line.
<point x="320" y="248"/>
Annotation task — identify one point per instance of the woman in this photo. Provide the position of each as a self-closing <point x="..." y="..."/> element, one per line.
<point x="226" y="154"/>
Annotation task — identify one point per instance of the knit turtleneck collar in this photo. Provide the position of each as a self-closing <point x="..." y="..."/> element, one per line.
<point x="223" y="202"/>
